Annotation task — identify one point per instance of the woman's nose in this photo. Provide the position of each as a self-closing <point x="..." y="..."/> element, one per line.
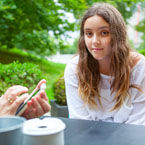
<point x="96" y="39"/>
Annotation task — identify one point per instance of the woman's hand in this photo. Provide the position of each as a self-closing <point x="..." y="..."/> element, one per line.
<point x="9" y="102"/>
<point x="38" y="105"/>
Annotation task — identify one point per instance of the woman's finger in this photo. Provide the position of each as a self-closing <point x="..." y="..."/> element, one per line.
<point x="42" y="95"/>
<point x="16" y="90"/>
<point x="40" y="83"/>
<point x="19" y="101"/>
<point x="30" y="111"/>
<point x="44" y="104"/>
<point x="37" y="106"/>
<point x="13" y="92"/>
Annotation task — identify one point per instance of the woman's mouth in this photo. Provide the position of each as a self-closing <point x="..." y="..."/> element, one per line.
<point x="97" y="49"/>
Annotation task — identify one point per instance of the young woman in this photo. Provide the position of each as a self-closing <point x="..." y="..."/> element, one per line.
<point x="105" y="80"/>
<point x="9" y="102"/>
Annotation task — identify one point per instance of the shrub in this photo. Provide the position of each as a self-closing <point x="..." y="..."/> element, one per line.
<point x="26" y="74"/>
<point x="142" y="51"/>
<point x="59" y="91"/>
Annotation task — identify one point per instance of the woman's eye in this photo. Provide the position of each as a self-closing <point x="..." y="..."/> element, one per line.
<point x="104" y="33"/>
<point x="89" y="34"/>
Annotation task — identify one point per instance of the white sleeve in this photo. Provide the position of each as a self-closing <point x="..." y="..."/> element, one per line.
<point x="137" y="114"/>
<point x="76" y="106"/>
<point x="133" y="111"/>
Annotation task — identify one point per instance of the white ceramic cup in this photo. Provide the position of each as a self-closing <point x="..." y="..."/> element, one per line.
<point x="47" y="131"/>
<point x="11" y="130"/>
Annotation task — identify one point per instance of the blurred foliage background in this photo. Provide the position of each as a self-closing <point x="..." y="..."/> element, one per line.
<point x="33" y="29"/>
<point x="41" y="26"/>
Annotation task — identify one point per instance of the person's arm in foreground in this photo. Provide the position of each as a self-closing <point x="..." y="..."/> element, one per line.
<point x="38" y="105"/>
<point x="9" y="102"/>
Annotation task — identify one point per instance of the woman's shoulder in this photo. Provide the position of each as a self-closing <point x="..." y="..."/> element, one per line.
<point x="74" y="60"/>
<point x="138" y="60"/>
<point x="138" y="69"/>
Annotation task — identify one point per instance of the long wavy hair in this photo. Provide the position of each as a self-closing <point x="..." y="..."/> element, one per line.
<point x="121" y="63"/>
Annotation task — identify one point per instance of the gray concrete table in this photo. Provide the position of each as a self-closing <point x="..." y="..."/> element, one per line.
<point x="82" y="132"/>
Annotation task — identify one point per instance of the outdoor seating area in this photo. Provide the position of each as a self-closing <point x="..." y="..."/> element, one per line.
<point x="72" y="72"/>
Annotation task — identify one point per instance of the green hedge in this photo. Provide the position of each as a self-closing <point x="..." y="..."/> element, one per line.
<point x="142" y="51"/>
<point x="59" y="91"/>
<point x="16" y="73"/>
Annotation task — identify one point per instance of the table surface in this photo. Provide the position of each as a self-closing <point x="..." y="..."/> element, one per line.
<point x="82" y="132"/>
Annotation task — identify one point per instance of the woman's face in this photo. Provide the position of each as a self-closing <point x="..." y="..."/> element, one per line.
<point x="97" y="38"/>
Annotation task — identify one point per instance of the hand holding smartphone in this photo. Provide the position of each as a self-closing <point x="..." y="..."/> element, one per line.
<point x="21" y="109"/>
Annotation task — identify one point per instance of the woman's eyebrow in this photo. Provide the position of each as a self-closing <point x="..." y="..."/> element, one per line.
<point x="102" y="27"/>
<point x="87" y="29"/>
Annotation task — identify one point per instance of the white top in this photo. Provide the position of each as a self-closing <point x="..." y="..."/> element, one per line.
<point x="132" y="113"/>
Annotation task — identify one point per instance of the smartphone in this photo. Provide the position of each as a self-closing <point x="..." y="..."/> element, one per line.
<point x="21" y="109"/>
